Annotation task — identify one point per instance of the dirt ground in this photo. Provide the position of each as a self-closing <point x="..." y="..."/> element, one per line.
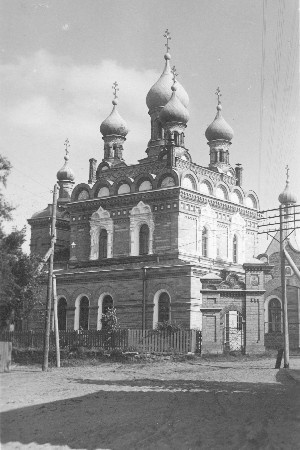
<point x="196" y="404"/>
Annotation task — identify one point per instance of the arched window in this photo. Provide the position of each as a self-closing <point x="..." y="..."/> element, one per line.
<point x="103" y="244"/>
<point x="144" y="240"/>
<point x="84" y="314"/>
<point x="103" y="192"/>
<point x="107" y="303"/>
<point x="204" y="242"/>
<point x="235" y="249"/>
<point x="62" y="314"/>
<point x="164" y="308"/>
<point x="145" y="186"/>
<point x="274" y="314"/>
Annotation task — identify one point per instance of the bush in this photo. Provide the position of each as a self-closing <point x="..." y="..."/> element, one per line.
<point x="171" y="327"/>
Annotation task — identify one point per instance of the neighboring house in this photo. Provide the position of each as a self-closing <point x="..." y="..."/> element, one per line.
<point x="165" y="239"/>
<point x="273" y="296"/>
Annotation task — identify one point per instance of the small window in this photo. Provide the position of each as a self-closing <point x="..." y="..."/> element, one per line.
<point x="220" y="193"/>
<point x="144" y="240"/>
<point x="84" y="314"/>
<point x="164" y="307"/>
<point x="188" y="183"/>
<point x="103" y="244"/>
<point x="168" y="182"/>
<point x="235" y="249"/>
<point x="124" y="189"/>
<point x="83" y="195"/>
<point x="103" y="192"/>
<point x="204" y="242"/>
<point x="205" y="189"/>
<point x="145" y="186"/>
<point x="62" y="314"/>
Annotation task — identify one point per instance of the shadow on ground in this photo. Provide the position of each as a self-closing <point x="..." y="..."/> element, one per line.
<point x="158" y="415"/>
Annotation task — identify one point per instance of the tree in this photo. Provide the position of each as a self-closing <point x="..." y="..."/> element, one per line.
<point x="20" y="277"/>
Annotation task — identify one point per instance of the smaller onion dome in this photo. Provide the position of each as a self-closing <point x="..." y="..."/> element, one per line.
<point x="174" y="111"/>
<point x="66" y="173"/>
<point x="287" y="196"/>
<point x="47" y="213"/>
<point x="114" y="124"/>
<point x="159" y="94"/>
<point x="219" y="128"/>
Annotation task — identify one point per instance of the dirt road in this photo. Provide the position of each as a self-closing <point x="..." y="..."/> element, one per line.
<point x="198" y="404"/>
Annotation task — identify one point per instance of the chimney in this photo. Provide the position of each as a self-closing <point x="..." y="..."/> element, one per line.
<point x="92" y="171"/>
<point x="239" y="174"/>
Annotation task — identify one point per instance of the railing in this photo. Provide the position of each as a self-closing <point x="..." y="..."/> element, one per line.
<point x="149" y="341"/>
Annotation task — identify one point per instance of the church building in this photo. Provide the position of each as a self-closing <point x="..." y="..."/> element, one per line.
<point x="164" y="239"/>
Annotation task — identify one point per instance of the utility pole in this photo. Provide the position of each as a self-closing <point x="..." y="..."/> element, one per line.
<point x="50" y="282"/>
<point x="288" y="214"/>
<point x="56" y="330"/>
<point x="286" y="345"/>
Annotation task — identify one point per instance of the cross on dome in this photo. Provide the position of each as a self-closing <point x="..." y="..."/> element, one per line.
<point x="287" y="173"/>
<point x="67" y="145"/>
<point x="218" y="94"/>
<point x="175" y="74"/>
<point x="115" y="88"/>
<point x="167" y="35"/>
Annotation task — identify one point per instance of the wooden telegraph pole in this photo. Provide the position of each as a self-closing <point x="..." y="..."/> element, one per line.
<point x="56" y="322"/>
<point x="286" y="346"/>
<point x="50" y="282"/>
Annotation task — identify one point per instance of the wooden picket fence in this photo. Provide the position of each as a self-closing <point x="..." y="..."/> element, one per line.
<point x="149" y="341"/>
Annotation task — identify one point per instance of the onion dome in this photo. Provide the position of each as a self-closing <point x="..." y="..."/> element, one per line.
<point x="66" y="173"/>
<point x="47" y="213"/>
<point x="174" y="111"/>
<point x="160" y="93"/>
<point x="219" y="128"/>
<point x="114" y="124"/>
<point x="287" y="196"/>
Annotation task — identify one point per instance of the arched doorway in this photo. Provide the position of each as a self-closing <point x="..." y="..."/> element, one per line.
<point x="62" y="314"/>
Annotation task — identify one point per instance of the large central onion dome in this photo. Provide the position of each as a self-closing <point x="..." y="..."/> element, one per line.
<point x="174" y="111"/>
<point x="160" y="93"/>
<point x="114" y="124"/>
<point x="219" y="128"/>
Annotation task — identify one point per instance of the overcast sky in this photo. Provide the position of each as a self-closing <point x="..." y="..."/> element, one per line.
<point x="60" y="58"/>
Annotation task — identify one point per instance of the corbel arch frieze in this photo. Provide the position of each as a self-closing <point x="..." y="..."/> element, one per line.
<point x="139" y="215"/>
<point x="101" y="219"/>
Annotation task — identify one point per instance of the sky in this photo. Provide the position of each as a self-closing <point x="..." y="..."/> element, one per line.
<point x="60" y="58"/>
